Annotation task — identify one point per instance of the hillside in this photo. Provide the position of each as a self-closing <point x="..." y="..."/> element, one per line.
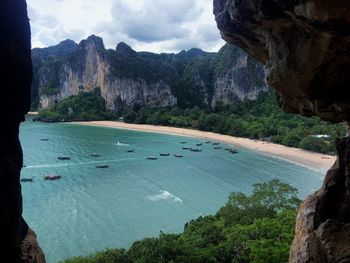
<point x="128" y="78"/>
<point x="255" y="228"/>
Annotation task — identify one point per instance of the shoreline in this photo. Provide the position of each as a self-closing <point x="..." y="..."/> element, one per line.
<point x="315" y="161"/>
<point x="33" y="113"/>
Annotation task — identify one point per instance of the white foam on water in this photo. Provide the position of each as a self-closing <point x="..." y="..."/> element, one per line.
<point x="118" y="143"/>
<point x="46" y="166"/>
<point x="76" y="164"/>
<point x="164" y="195"/>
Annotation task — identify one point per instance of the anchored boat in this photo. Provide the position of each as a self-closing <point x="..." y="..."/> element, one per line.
<point x="52" y="177"/>
<point x="195" y="150"/>
<point x="27" y="179"/>
<point x="63" y="158"/>
<point x="102" y="166"/>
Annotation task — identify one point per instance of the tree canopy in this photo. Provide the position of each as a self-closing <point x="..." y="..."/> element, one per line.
<point x="249" y="228"/>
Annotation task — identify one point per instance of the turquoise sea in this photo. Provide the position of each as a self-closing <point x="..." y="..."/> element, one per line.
<point x="90" y="209"/>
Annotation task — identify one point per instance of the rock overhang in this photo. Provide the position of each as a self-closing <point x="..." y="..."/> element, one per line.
<point x="305" y="46"/>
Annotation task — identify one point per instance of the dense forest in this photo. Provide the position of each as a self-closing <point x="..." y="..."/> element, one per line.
<point x="261" y="119"/>
<point x="84" y="106"/>
<point x="248" y="228"/>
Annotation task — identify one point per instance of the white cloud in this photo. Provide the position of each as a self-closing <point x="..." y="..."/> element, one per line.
<point x="151" y="25"/>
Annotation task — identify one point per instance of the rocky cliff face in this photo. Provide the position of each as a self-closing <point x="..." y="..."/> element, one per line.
<point x="89" y="67"/>
<point x="322" y="232"/>
<point x="15" y="78"/>
<point x="242" y="79"/>
<point x="305" y="48"/>
<point x="127" y="77"/>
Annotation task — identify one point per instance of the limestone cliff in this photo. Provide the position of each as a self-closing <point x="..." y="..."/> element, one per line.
<point x="127" y="77"/>
<point x="91" y="66"/>
<point x="239" y="78"/>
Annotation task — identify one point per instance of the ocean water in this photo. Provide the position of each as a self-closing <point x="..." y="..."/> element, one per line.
<point x="91" y="209"/>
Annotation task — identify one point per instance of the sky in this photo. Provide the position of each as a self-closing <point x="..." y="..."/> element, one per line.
<point x="145" y="25"/>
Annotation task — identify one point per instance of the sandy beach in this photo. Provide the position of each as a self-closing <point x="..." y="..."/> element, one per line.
<point x="33" y="113"/>
<point x="316" y="161"/>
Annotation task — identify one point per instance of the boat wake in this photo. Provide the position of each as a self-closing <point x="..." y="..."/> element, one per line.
<point x="76" y="164"/>
<point x="119" y="143"/>
<point x="164" y="195"/>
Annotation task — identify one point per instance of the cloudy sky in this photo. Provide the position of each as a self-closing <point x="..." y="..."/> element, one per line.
<point x="148" y="25"/>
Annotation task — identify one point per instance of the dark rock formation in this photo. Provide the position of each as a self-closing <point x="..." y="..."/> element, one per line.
<point x="323" y="222"/>
<point x="31" y="252"/>
<point x="123" y="49"/>
<point x="15" y="79"/>
<point x="304" y="46"/>
<point x="62" y="49"/>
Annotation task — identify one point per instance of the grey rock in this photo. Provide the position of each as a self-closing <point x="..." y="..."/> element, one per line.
<point x="90" y="68"/>
<point x="127" y="77"/>
<point x="243" y="81"/>
<point x="304" y="46"/>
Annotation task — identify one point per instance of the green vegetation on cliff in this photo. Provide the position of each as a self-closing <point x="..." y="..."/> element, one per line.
<point x="192" y="88"/>
<point x="196" y="79"/>
<point x="248" y="228"/>
<point x="260" y="119"/>
<point x="191" y="75"/>
<point x="83" y="106"/>
<point x="225" y="59"/>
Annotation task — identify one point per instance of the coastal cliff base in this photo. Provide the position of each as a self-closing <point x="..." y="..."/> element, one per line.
<point x="322" y="232"/>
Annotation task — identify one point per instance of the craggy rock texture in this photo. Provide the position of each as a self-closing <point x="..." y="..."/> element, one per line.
<point x="323" y="221"/>
<point x="304" y="46"/>
<point x="31" y="251"/>
<point x="127" y="77"/>
<point x="90" y="67"/>
<point x="243" y="80"/>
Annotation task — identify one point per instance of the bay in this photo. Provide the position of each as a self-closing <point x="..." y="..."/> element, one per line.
<point x="90" y="209"/>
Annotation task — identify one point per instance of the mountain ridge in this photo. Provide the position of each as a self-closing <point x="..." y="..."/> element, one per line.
<point x="186" y="79"/>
